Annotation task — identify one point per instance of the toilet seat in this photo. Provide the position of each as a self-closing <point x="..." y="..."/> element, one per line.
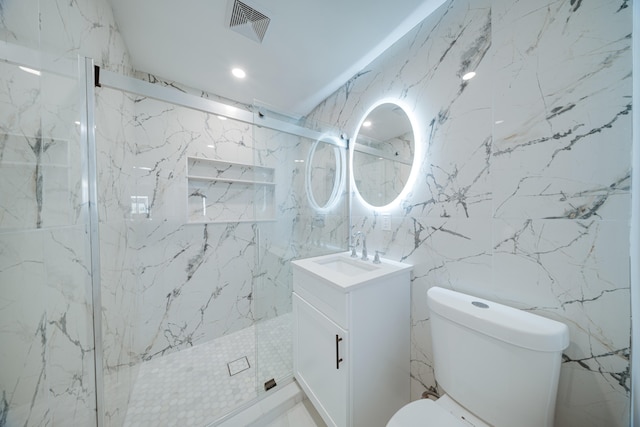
<point x="423" y="413"/>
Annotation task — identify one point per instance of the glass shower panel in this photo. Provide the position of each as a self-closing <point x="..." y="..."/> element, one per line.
<point x="178" y="258"/>
<point x="299" y="228"/>
<point x="47" y="372"/>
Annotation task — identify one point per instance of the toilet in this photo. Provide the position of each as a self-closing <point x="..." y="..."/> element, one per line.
<point x="498" y="366"/>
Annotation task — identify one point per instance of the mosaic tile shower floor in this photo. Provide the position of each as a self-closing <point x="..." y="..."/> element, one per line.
<point x="193" y="387"/>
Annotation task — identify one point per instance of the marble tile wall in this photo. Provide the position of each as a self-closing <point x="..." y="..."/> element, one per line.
<point x="523" y="194"/>
<point x="65" y="28"/>
<point x="120" y="300"/>
<point x="47" y="354"/>
<point x="47" y="359"/>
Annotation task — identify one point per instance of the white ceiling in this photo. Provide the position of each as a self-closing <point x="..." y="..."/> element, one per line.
<point x="310" y="49"/>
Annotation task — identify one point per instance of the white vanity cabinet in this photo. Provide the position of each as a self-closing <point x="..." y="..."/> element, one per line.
<point x="321" y="369"/>
<point x="352" y="338"/>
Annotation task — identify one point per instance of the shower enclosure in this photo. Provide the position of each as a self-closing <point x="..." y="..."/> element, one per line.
<point x="145" y="240"/>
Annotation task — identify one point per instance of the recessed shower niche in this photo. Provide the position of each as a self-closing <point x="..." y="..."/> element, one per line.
<point x="222" y="191"/>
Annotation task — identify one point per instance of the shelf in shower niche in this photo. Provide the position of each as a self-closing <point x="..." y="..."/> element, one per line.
<point x="229" y="180"/>
<point x="202" y="168"/>
<point x="230" y="221"/>
<point x="54" y="153"/>
<point x="220" y="191"/>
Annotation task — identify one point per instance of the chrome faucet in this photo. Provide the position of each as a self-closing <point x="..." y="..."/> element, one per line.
<point x="355" y="244"/>
<point x="353" y="251"/>
<point x="364" y="245"/>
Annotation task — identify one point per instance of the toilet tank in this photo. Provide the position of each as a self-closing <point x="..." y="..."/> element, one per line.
<point x="500" y="363"/>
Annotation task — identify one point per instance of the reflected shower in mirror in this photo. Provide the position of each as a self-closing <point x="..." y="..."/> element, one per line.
<point x="383" y="154"/>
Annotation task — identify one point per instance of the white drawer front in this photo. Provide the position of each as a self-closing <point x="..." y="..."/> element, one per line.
<point x="331" y="301"/>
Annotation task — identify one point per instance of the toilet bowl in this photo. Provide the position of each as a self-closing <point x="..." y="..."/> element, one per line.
<point x="444" y="412"/>
<point x="481" y="349"/>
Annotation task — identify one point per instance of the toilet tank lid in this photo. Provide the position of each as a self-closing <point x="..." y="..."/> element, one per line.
<point x="508" y="324"/>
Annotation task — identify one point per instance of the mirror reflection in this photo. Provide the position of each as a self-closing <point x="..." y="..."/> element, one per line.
<point x="383" y="154"/>
<point x="324" y="173"/>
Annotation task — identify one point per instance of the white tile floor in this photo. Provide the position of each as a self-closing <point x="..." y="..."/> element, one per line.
<point x="193" y="387"/>
<point x="303" y="414"/>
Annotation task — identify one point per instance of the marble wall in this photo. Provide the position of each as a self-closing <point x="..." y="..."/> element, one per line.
<point x="523" y="194"/>
<point x="47" y="372"/>
<point x="47" y="352"/>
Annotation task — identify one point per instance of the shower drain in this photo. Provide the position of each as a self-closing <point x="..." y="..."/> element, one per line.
<point x="238" y="365"/>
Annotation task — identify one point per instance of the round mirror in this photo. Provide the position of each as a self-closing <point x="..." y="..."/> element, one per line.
<point x="325" y="167"/>
<point x="383" y="154"/>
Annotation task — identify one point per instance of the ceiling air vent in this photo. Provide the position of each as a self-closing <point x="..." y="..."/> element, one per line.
<point x="248" y="21"/>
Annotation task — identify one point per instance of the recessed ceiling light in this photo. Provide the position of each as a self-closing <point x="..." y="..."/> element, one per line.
<point x="29" y="70"/>
<point x="366" y="124"/>
<point x="239" y="73"/>
<point x="469" y="75"/>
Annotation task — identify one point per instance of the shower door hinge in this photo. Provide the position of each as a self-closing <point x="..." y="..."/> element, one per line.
<point x="269" y="384"/>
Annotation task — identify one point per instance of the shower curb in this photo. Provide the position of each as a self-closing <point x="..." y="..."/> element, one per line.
<point x="264" y="410"/>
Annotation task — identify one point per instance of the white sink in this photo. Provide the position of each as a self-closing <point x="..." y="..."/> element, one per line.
<point x="343" y="271"/>
<point x="347" y="266"/>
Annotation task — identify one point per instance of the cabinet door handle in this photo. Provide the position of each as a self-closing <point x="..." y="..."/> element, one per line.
<point x="338" y="358"/>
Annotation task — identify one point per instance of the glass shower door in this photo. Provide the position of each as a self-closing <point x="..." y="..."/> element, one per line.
<point x="293" y="226"/>
<point x="270" y="295"/>
<point x="47" y="372"/>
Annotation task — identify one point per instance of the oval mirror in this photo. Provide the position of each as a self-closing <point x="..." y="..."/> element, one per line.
<point x="383" y="154"/>
<point x="325" y="167"/>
